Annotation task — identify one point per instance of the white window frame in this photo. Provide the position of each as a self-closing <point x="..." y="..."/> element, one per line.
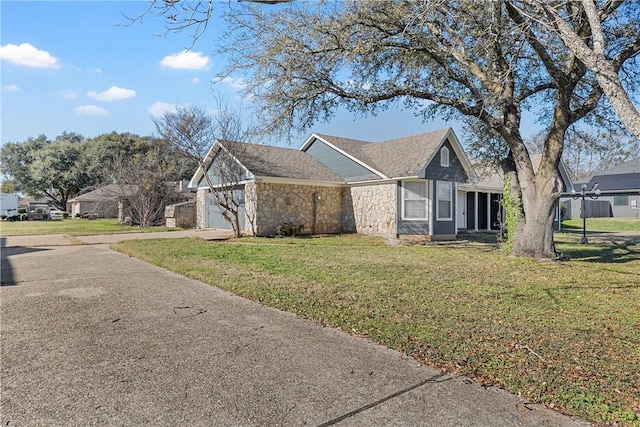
<point x="450" y="191"/>
<point x="405" y="198"/>
<point x="444" y="157"/>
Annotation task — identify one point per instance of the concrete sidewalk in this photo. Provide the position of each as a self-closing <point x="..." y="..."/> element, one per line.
<point x="94" y="337"/>
<point x="65" y="240"/>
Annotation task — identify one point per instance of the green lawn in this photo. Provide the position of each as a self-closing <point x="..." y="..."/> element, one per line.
<point x="71" y="226"/>
<point x="562" y="333"/>
<point x="604" y="224"/>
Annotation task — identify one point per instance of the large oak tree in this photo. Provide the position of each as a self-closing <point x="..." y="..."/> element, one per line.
<point x="485" y="62"/>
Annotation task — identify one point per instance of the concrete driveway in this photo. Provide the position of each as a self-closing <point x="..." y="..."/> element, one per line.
<point x="93" y="337"/>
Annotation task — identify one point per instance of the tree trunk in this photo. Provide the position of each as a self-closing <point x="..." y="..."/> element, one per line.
<point x="535" y="231"/>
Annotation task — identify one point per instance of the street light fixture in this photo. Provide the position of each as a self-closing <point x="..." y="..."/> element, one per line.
<point x="592" y="194"/>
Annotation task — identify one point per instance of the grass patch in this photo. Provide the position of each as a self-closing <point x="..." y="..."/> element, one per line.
<point x="604" y="224"/>
<point x="561" y="333"/>
<point x="72" y="226"/>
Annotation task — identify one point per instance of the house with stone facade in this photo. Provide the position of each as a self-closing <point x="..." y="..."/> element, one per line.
<point x="420" y="185"/>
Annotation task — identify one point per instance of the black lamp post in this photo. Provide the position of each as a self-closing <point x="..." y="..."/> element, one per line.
<point x="582" y="194"/>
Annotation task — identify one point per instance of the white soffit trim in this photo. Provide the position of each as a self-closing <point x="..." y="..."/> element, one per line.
<point x="197" y="176"/>
<point x="217" y="146"/>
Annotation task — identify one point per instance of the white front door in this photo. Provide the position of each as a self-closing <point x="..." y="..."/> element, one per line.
<point x="461" y="213"/>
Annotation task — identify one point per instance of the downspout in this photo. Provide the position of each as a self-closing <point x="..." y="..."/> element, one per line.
<point x="314" y="211"/>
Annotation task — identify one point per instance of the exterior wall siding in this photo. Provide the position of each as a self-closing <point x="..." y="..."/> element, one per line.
<point x="336" y="161"/>
<point x="411" y="227"/>
<point x="604" y="206"/>
<point x="106" y="208"/>
<point x="374" y="209"/>
<point x="454" y="172"/>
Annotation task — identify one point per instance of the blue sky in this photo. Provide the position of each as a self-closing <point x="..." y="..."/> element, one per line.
<point x="76" y="66"/>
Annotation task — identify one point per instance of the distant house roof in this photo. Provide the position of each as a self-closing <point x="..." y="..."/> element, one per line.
<point x="625" y="176"/>
<point x="620" y="181"/>
<point x="632" y="166"/>
<point x="108" y="192"/>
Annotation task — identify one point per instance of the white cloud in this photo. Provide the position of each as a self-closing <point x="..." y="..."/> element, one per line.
<point x="28" y="56"/>
<point x="114" y="93"/>
<point x="159" y="108"/>
<point x="234" y="82"/>
<point x="186" y="61"/>
<point x="70" y="94"/>
<point x="195" y="80"/>
<point x="10" y="88"/>
<point x="91" y="110"/>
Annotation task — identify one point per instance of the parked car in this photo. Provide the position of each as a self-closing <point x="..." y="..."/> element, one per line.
<point x="38" y="214"/>
<point x="56" y="214"/>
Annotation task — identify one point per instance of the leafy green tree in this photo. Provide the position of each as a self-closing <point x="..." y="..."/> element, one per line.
<point x="69" y="165"/>
<point x="105" y="150"/>
<point x="8" y="186"/>
<point x="16" y="159"/>
<point x="44" y="168"/>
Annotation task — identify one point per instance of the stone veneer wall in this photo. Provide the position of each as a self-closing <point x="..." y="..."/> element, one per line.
<point x="374" y="209"/>
<point x="200" y="208"/>
<point x="250" y="200"/>
<point x="279" y="203"/>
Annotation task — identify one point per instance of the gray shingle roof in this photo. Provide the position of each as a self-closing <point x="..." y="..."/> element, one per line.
<point x="399" y="157"/>
<point x="632" y="166"/>
<point x="279" y="162"/>
<point x="490" y="177"/>
<point x="108" y="192"/>
<point x="406" y="156"/>
<point x="618" y="181"/>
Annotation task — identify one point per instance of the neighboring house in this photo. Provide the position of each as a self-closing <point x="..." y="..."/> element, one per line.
<point x="421" y="185"/>
<point x="102" y="202"/>
<point x="619" y="194"/>
<point x="31" y="204"/>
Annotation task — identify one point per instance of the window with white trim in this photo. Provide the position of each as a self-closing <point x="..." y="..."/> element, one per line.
<point x="621" y="200"/>
<point x="444" y="201"/>
<point x="444" y="157"/>
<point x="414" y="200"/>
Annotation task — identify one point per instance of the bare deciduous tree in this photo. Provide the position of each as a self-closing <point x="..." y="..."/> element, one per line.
<point x="180" y="15"/>
<point x="192" y="131"/>
<point x="587" y="151"/>
<point x="145" y="186"/>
